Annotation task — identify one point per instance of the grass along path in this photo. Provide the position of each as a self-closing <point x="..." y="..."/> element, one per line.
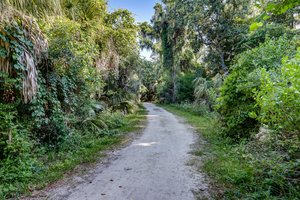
<point x="247" y="170"/>
<point x="58" y="164"/>
<point x="154" y="166"/>
<point x="91" y="148"/>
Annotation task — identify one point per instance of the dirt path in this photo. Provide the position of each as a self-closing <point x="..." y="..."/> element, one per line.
<point x="154" y="167"/>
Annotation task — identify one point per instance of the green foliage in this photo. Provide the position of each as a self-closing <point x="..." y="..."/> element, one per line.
<point x="255" y="25"/>
<point x="84" y="10"/>
<point x="219" y="28"/>
<point x="19" y="55"/>
<point x="71" y="76"/>
<point x="249" y="170"/>
<point x="282" y="12"/>
<point x="281" y="7"/>
<point x="15" y="153"/>
<point x="237" y="98"/>
<point x="164" y="91"/>
<point x="7" y="128"/>
<point x="38" y="8"/>
<point x="146" y="36"/>
<point x="150" y="75"/>
<point x="269" y="31"/>
<point x="17" y="162"/>
<point x="201" y="91"/>
<point x="62" y="73"/>
<point x="206" y="91"/>
<point x="171" y="32"/>
<point x="185" y="89"/>
<point x="279" y="97"/>
<point x="254" y="148"/>
<point x="253" y="174"/>
<point x="122" y="29"/>
<point x="26" y="166"/>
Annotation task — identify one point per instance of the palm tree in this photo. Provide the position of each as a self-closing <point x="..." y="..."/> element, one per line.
<point x="37" y="8"/>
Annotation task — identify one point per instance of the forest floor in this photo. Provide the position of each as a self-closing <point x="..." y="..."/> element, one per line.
<point x="158" y="165"/>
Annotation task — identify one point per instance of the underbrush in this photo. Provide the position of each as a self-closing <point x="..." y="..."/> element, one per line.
<point x="247" y="170"/>
<point x="41" y="165"/>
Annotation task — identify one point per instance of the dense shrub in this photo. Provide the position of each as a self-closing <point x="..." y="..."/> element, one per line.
<point x="237" y="100"/>
<point x="270" y="31"/>
<point x="185" y="90"/>
<point x="279" y="96"/>
<point x="164" y="91"/>
<point x="207" y="90"/>
<point x="18" y="164"/>
<point x="279" y="103"/>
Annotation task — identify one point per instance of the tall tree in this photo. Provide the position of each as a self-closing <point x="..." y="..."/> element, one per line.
<point x="170" y="27"/>
<point x="219" y="27"/>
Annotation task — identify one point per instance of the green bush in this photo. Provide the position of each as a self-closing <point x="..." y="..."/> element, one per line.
<point x="279" y="96"/>
<point x="237" y="100"/>
<point x="17" y="164"/>
<point x="164" y="92"/>
<point x="271" y="31"/>
<point x="253" y="171"/>
<point x="207" y="90"/>
<point x="185" y="88"/>
<point x="279" y="103"/>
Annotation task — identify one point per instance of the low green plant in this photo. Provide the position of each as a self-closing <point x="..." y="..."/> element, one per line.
<point x="18" y="164"/>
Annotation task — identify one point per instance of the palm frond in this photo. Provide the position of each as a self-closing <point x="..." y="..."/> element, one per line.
<point x="218" y="80"/>
<point x="33" y="49"/>
<point x="201" y="91"/>
<point x="37" y="8"/>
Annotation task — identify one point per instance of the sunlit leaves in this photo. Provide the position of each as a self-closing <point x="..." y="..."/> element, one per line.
<point x="275" y="9"/>
<point x="282" y="6"/>
<point x="255" y="26"/>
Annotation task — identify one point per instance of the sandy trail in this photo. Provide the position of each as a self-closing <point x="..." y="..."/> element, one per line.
<point x="153" y="167"/>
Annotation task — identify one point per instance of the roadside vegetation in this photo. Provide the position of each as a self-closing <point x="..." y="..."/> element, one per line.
<point x="70" y="87"/>
<point x="48" y="166"/>
<point x="71" y="80"/>
<point x="247" y="170"/>
<point x="232" y="68"/>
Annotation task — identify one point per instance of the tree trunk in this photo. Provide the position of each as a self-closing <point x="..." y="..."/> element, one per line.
<point x="210" y="106"/>
<point x="174" y="84"/>
<point x="223" y="65"/>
